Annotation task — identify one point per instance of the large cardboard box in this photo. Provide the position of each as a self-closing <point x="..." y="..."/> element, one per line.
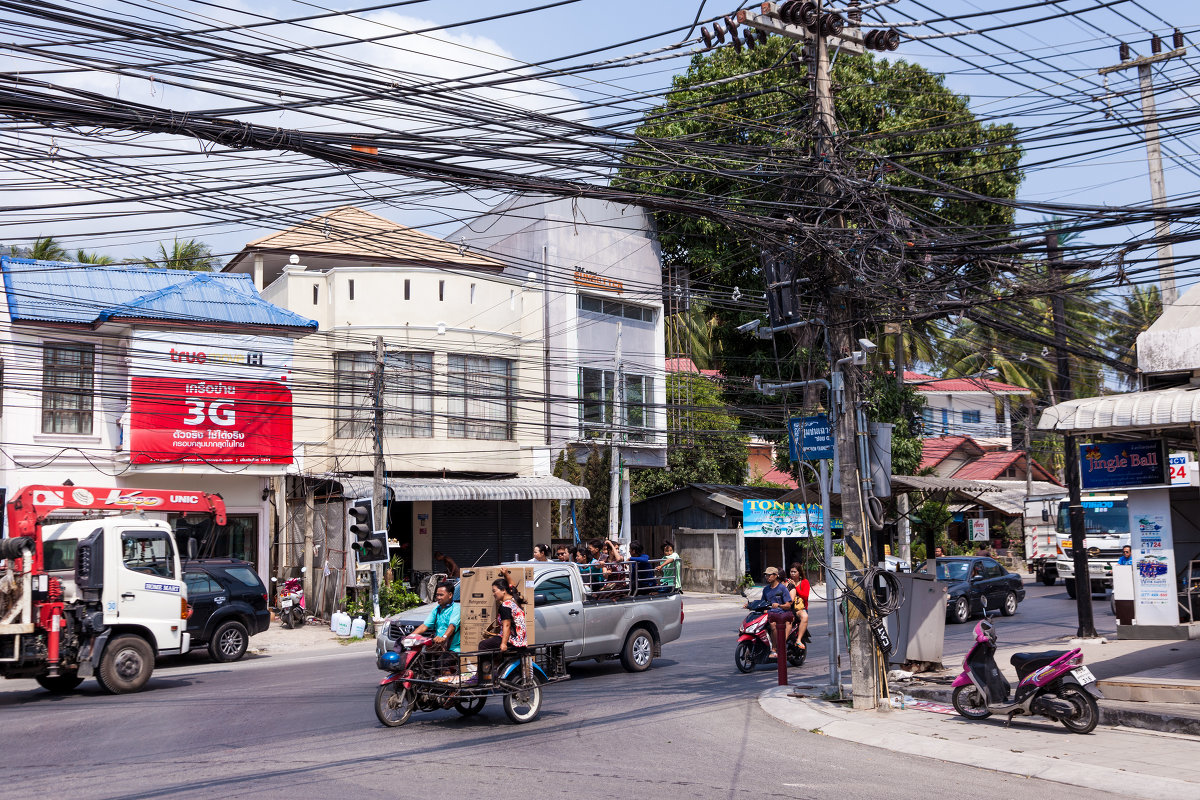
<point x="478" y="607"/>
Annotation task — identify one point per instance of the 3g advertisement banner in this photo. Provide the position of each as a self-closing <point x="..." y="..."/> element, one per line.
<point x="210" y="398"/>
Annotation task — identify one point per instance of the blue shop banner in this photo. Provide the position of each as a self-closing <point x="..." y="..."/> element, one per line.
<point x="1122" y="465"/>
<point x="810" y="437"/>
<point x="773" y="519"/>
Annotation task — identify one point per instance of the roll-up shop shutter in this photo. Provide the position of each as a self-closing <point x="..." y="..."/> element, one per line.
<point x="516" y="529"/>
<point x="466" y="531"/>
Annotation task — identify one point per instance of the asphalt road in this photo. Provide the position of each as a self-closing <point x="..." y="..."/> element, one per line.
<point x="302" y="726"/>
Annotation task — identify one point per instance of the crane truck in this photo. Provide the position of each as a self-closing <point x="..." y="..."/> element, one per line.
<point x="102" y="595"/>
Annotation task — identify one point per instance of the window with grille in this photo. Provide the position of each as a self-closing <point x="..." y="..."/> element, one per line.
<point x="68" y="375"/>
<point x="971" y="417"/>
<point x="407" y="395"/>
<point x="479" y="397"/>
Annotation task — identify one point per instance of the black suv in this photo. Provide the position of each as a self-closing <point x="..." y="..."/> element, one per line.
<point x="228" y="605"/>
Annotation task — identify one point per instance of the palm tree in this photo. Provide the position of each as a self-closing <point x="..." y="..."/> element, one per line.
<point x="85" y="257"/>
<point x="1143" y="305"/>
<point x="923" y="341"/>
<point x="187" y="254"/>
<point x="44" y="248"/>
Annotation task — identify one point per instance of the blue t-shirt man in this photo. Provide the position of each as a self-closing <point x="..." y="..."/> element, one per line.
<point x="441" y="618"/>
<point x="778" y="593"/>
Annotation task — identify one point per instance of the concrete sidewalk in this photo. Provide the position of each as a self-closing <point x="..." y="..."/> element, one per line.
<point x="1128" y="762"/>
<point x="313" y="636"/>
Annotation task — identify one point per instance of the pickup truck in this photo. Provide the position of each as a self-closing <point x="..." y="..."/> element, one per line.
<point x="632" y="627"/>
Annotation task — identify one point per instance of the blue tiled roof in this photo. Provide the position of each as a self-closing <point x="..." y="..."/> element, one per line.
<point x="52" y="291"/>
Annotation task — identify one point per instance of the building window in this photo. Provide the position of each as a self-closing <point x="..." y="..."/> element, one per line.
<point x="407" y="289"/>
<point x="971" y="417"/>
<point x="407" y="395"/>
<point x="316" y="293"/>
<point x="350" y="285"/>
<point x="472" y="294"/>
<point x="441" y="291"/>
<point x="479" y="397"/>
<point x="68" y="373"/>
<point x="614" y="308"/>
<point x="238" y="538"/>
<point x="596" y="390"/>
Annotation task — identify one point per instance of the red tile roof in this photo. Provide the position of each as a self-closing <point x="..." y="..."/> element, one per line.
<point x="991" y="466"/>
<point x="937" y="449"/>
<point x="780" y="478"/>
<point x="684" y="364"/>
<point x="928" y="383"/>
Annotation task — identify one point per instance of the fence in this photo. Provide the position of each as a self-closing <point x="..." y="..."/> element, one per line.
<point x="331" y="564"/>
<point x="713" y="559"/>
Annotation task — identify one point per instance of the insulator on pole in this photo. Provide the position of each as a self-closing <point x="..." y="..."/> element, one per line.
<point x="1155" y="44"/>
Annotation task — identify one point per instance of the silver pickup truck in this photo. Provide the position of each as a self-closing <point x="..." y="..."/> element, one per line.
<point x="631" y="625"/>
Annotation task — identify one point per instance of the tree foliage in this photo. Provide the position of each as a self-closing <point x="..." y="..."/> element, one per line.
<point x="186" y="254"/>
<point x="741" y="110"/>
<point x="704" y="444"/>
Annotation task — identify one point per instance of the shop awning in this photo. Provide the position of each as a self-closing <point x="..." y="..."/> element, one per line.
<point x="1175" y="407"/>
<point x="1007" y="497"/>
<point x="410" y="489"/>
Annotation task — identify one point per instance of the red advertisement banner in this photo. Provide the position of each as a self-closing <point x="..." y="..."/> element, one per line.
<point x="188" y="420"/>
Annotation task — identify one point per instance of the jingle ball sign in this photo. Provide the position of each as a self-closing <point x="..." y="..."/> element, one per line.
<point x="210" y="398"/>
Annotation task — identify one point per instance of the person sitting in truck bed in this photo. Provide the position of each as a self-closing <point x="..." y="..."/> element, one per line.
<point x="587" y="573"/>
<point x="643" y="571"/>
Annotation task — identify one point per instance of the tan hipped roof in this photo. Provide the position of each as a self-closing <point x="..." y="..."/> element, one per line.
<point x="352" y="233"/>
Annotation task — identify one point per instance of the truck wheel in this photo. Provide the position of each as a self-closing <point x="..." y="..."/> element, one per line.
<point x="126" y="665"/>
<point x="229" y="641"/>
<point x="1047" y="579"/>
<point x="64" y="683"/>
<point x="638" y="651"/>
<point x="1070" y="584"/>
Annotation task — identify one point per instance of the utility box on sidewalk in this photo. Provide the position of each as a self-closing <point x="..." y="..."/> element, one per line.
<point x="918" y="629"/>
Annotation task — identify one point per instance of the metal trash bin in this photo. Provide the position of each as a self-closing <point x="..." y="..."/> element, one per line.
<point x="918" y="628"/>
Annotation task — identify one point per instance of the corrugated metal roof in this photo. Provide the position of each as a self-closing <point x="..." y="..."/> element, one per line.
<point x="410" y="489"/>
<point x="1178" y="406"/>
<point x="50" y="291"/>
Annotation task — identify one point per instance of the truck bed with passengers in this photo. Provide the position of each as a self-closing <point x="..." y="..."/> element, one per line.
<point x="599" y="619"/>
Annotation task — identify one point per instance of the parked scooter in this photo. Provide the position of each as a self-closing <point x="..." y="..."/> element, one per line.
<point x="1053" y="684"/>
<point x="291" y="603"/>
<point x="754" y="645"/>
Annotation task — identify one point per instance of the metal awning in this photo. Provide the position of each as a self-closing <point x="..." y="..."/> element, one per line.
<point x="410" y="489"/>
<point x="933" y="483"/>
<point x="1007" y="497"/>
<point x="1175" y="407"/>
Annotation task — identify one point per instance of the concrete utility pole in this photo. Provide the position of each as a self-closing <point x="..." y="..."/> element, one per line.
<point x="1158" y="190"/>
<point x="378" y="507"/>
<point x="1062" y="365"/>
<point x="614" y="458"/>
<point x="841" y="318"/>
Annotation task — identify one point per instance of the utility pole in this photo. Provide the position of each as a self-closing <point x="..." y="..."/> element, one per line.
<point x="614" y="457"/>
<point x="1062" y="365"/>
<point x="378" y="507"/>
<point x="1158" y="190"/>
<point x="810" y="22"/>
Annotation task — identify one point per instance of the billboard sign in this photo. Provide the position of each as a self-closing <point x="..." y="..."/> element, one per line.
<point x="810" y="438"/>
<point x="771" y="519"/>
<point x="210" y="398"/>
<point x="1122" y="465"/>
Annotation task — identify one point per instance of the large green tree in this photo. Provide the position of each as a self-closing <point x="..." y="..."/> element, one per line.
<point x="1137" y="311"/>
<point x="733" y="124"/>
<point x="704" y="444"/>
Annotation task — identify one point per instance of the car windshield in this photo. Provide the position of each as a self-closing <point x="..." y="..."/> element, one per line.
<point x="952" y="570"/>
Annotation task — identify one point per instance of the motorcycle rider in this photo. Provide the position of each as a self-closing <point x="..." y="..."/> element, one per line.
<point x="779" y="598"/>
<point x="444" y="619"/>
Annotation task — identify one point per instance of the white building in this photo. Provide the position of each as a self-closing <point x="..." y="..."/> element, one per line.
<point x="600" y="270"/>
<point x="465" y="414"/>
<point x="120" y="376"/>
<point x="976" y="407"/>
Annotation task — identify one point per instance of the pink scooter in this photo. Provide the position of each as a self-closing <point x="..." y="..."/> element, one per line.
<point x="1053" y="684"/>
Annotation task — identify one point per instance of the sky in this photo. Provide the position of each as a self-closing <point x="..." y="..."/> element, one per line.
<point x="1044" y="69"/>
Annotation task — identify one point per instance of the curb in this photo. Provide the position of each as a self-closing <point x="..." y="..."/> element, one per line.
<point x="872" y="729"/>
<point x="1110" y="715"/>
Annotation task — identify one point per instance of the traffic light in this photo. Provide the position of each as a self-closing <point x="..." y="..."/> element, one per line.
<point x="370" y="545"/>
<point x="362" y="518"/>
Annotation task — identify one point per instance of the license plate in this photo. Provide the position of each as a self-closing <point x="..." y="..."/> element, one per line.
<point x="287" y="603"/>
<point x="1083" y="675"/>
